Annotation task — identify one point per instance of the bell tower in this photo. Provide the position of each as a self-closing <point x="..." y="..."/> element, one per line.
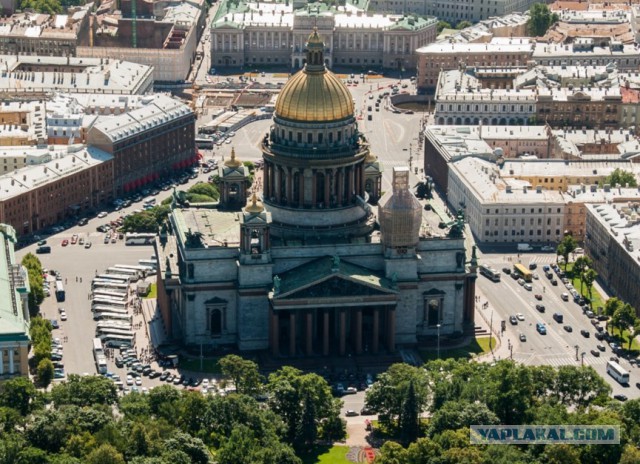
<point x="255" y="240"/>
<point x="234" y="181"/>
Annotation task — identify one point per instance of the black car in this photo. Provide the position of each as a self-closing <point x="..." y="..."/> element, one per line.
<point x="164" y="375"/>
<point x="119" y="362"/>
<point x="540" y="307"/>
<point x="533" y="266"/>
<point x="154" y="374"/>
<point x="620" y="397"/>
<point x="599" y="336"/>
<point x="146" y="371"/>
<point x="554" y="282"/>
<point x="585" y="333"/>
<point x="367" y="411"/>
<point x="637" y="384"/>
<point x="595" y="353"/>
<point x="568" y="328"/>
<point x="506" y="270"/>
<point x="513" y="320"/>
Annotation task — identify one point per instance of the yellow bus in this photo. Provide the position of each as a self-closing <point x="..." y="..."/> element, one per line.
<point x="523" y="272"/>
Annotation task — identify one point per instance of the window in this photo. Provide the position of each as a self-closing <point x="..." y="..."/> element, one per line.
<point x="433" y="316"/>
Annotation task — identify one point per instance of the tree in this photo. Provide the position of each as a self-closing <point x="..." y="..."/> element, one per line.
<point x="579" y="386"/>
<point x="457" y="414"/>
<point x="391" y="453"/>
<point x="561" y="454"/>
<point x="289" y="388"/>
<point x="193" y="447"/>
<point x="442" y="25"/>
<point x="589" y="276"/>
<point x="243" y="373"/>
<point x="568" y="243"/>
<point x="630" y="455"/>
<point x="540" y="19"/>
<point x="34" y="271"/>
<point x="18" y="394"/>
<point x="205" y="189"/>
<point x="624" y="318"/>
<point x="388" y="394"/>
<point x="612" y="305"/>
<point x="508" y="394"/>
<point x="307" y="428"/>
<point x="44" y="373"/>
<point x="85" y="391"/>
<point x="622" y="178"/>
<point x="579" y="266"/>
<point x="105" y="454"/>
<point x="409" y="424"/>
<point x="463" y="25"/>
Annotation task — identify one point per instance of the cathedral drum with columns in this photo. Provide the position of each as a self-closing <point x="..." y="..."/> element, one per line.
<point x="322" y="265"/>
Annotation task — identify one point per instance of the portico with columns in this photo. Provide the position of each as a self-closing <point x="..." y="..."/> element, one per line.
<point x="325" y="308"/>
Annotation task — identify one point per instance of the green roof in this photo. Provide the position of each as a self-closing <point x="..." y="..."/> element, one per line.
<point x="322" y="268"/>
<point x="13" y="325"/>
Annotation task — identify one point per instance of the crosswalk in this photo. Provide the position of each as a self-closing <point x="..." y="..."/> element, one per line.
<point x="531" y="359"/>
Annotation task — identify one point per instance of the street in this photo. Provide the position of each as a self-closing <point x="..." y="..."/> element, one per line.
<point x="557" y="347"/>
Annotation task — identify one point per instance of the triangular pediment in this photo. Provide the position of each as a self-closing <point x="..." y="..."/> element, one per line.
<point x="336" y="286"/>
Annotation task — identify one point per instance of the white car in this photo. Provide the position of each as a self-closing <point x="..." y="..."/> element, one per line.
<point x="528" y="287"/>
<point x="63" y="316"/>
<point x="129" y="380"/>
<point x="102" y="214"/>
<point x="138" y="381"/>
<point x="520" y="316"/>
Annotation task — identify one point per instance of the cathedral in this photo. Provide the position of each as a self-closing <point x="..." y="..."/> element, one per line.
<point x="321" y="263"/>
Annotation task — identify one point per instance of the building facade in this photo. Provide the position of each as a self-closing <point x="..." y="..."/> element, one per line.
<point x="275" y="34"/>
<point x="612" y="241"/>
<point x="303" y="272"/>
<point x="14" y="309"/>
<point x="147" y="143"/>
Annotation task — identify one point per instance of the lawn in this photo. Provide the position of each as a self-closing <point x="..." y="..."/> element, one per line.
<point x="477" y="347"/>
<point x="326" y="455"/>
<point x="153" y="291"/>
<point x="596" y="299"/>
<point x="624" y="341"/>
<point x="209" y="365"/>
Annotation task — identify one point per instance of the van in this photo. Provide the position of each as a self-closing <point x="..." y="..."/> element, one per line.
<point x="558" y="317"/>
<point x="43" y="249"/>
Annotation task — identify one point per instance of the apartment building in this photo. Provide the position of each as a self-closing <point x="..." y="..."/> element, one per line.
<point x="445" y="56"/>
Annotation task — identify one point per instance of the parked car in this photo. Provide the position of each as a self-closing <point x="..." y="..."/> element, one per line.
<point x="523" y="337"/>
<point x="585" y="333"/>
<point x="620" y="397"/>
<point x="513" y="320"/>
<point x="595" y="353"/>
<point x="351" y="413"/>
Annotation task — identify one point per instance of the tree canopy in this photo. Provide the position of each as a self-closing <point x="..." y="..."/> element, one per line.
<point x="540" y="19"/>
<point x="622" y="178"/>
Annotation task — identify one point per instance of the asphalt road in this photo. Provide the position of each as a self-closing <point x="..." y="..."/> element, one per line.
<point x="558" y="347"/>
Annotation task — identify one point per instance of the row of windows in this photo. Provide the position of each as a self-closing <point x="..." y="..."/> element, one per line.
<point x="523" y="211"/>
<point x="521" y="232"/>
<point x="522" y="222"/>
<point x="494" y="108"/>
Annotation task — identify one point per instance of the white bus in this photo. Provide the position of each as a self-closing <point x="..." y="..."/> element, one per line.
<point x="142" y="271"/>
<point x="109" y="285"/>
<point x="490" y="273"/>
<point x="149" y="201"/>
<point x="114" y="331"/>
<point x="99" y="293"/>
<point x="117" y="278"/>
<point x="122" y="274"/>
<point x="152" y="263"/>
<point x="616" y="371"/>
<point x="104" y="308"/>
<point x="60" y="293"/>
<point x="132" y="238"/>
<point x="117" y="341"/>
<point x="99" y="357"/>
<point x="103" y="301"/>
<point x="114" y="325"/>
<point x="112" y="316"/>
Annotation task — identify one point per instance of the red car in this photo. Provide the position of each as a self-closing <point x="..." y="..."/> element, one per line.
<point x="65" y="242"/>
<point x="538" y="296"/>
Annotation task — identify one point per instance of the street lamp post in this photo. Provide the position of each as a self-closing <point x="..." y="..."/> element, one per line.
<point x="577" y="348"/>
<point x="491" y="331"/>
<point x="583" y="353"/>
<point x="438" y="327"/>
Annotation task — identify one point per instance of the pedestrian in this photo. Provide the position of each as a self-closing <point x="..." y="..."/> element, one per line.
<point x="76" y="278"/>
<point x="80" y="279"/>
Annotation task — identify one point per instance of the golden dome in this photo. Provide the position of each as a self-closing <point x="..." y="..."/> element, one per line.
<point x="233" y="162"/>
<point x="314" y="94"/>
<point x="255" y="206"/>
